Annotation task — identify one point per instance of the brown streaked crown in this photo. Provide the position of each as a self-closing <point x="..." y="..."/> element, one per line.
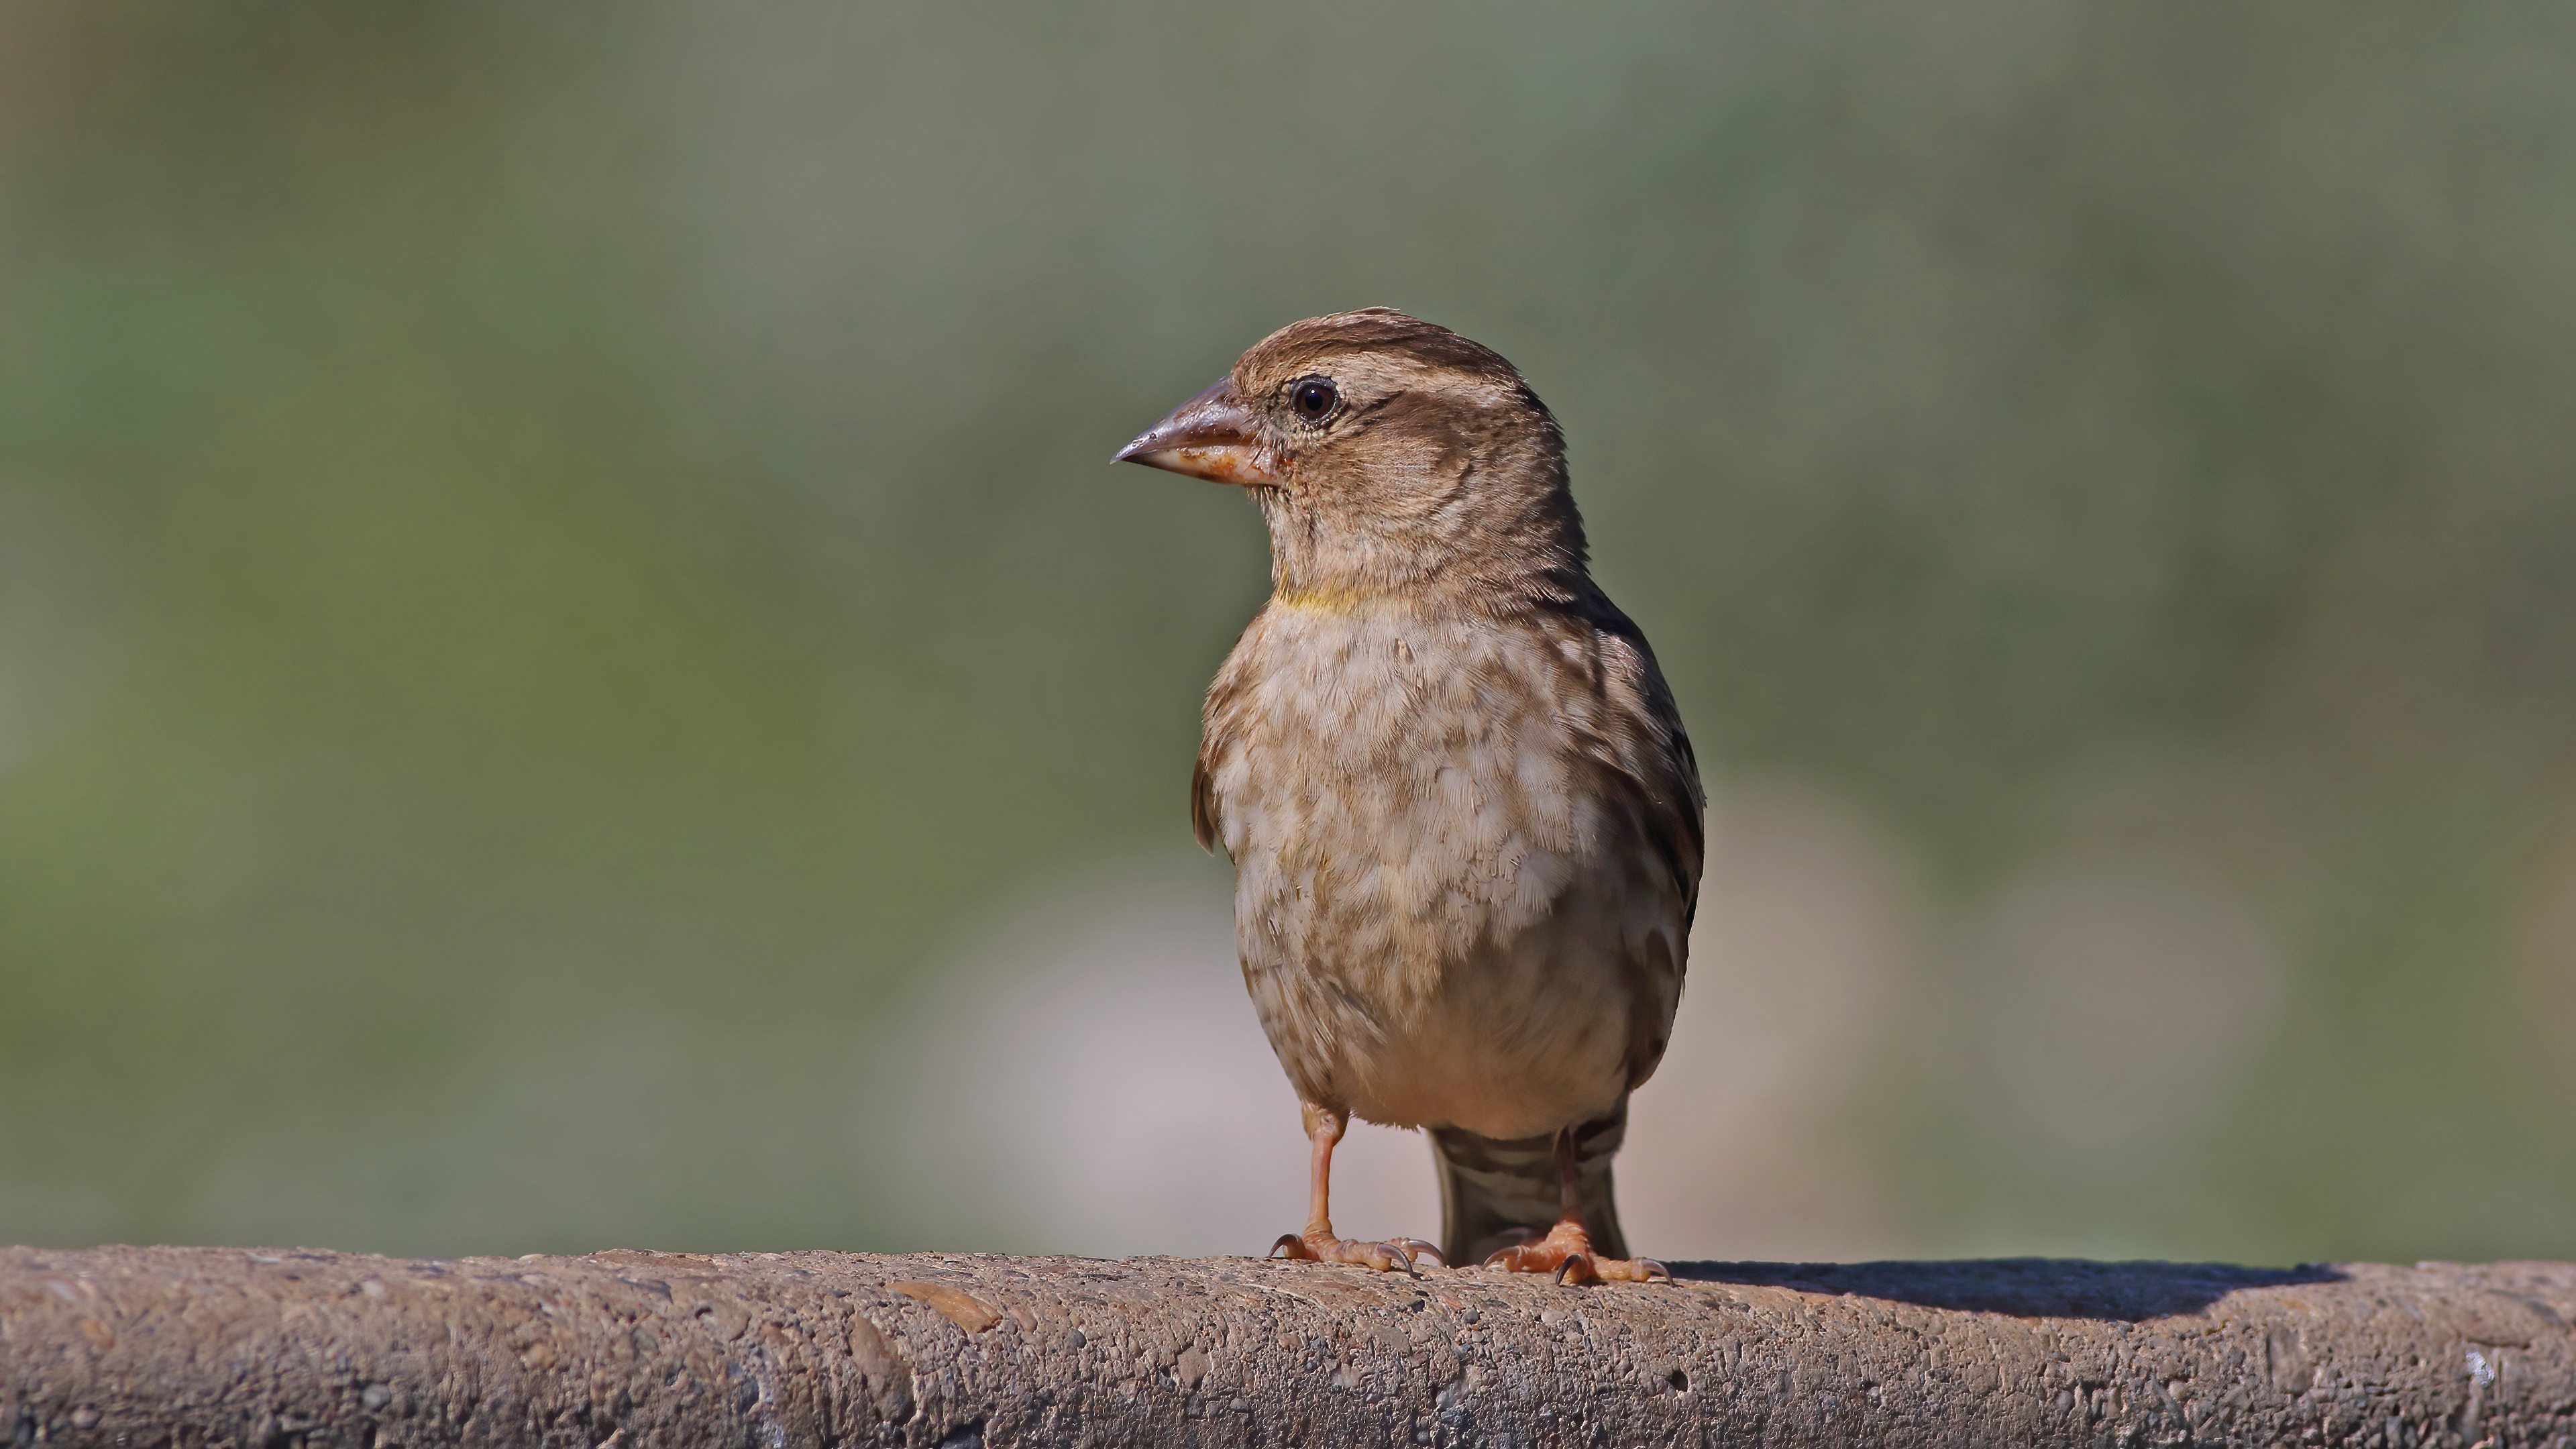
<point x="1317" y="340"/>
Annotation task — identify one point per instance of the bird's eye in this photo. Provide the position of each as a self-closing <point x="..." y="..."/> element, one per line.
<point x="1314" y="398"/>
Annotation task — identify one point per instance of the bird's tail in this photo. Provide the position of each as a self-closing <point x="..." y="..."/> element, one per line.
<point x="1494" y="1194"/>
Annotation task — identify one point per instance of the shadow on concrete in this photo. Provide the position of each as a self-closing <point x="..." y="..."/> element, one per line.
<point x="2022" y="1287"/>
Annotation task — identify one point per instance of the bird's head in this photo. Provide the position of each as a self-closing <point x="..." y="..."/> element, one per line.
<point x="1389" y="457"/>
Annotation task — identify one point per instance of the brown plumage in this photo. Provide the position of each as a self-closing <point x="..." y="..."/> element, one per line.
<point x="1464" y="816"/>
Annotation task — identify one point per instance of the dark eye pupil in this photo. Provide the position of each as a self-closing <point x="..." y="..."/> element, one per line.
<point x="1314" y="398"/>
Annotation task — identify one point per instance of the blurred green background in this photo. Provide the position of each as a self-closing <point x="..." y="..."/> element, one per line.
<point x="558" y="573"/>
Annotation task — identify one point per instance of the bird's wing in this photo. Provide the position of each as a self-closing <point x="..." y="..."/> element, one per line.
<point x="1644" y="762"/>
<point x="1220" y="725"/>
<point x="1203" y="823"/>
<point x="1645" y="755"/>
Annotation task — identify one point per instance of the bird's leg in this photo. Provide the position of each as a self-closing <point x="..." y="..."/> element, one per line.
<point x="1324" y="1128"/>
<point x="1566" y="1251"/>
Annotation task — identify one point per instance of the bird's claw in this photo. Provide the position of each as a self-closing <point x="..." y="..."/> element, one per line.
<point x="1567" y="1253"/>
<point x="1629" y="1270"/>
<point x="1394" y="1255"/>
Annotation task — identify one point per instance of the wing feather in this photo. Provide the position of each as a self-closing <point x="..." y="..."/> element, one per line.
<point x="1644" y="761"/>
<point x="1220" y="726"/>
<point x="1203" y="818"/>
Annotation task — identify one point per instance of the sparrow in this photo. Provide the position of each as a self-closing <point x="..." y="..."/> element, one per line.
<point x="1465" y="820"/>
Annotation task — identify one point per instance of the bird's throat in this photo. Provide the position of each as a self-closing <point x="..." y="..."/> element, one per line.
<point x="1326" y="598"/>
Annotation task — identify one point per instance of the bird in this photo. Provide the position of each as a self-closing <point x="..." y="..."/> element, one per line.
<point x="1465" y="819"/>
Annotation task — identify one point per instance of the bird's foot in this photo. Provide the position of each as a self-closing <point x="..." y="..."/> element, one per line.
<point x="1567" y="1252"/>
<point x="1397" y="1255"/>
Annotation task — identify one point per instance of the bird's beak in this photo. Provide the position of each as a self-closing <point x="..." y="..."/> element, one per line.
<point x="1211" y="436"/>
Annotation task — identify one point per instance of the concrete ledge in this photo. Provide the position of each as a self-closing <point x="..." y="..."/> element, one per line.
<point x="230" y="1346"/>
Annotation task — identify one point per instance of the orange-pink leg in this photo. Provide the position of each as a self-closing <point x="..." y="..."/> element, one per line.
<point x="1566" y="1251"/>
<point x="1324" y="1128"/>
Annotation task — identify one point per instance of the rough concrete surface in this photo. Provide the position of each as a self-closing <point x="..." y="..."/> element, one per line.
<point x="231" y="1346"/>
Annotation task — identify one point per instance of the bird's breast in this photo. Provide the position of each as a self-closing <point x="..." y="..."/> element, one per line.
<point x="1403" y="786"/>
<point x="1435" y="908"/>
